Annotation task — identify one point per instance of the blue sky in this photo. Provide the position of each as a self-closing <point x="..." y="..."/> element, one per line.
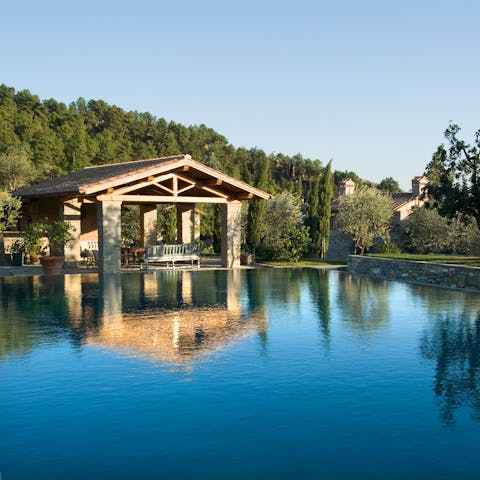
<point x="371" y="85"/>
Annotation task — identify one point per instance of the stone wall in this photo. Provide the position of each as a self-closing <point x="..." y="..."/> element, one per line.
<point x="340" y="245"/>
<point x="450" y="276"/>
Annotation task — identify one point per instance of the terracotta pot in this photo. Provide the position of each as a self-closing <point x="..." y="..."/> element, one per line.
<point x="52" y="265"/>
<point x="34" y="259"/>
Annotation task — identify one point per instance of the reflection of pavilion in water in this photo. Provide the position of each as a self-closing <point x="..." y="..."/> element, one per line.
<point x="174" y="316"/>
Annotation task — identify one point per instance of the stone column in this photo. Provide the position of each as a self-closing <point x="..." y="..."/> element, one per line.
<point x="148" y="224"/>
<point x="188" y="223"/>
<point x="71" y="212"/>
<point x="109" y="236"/>
<point x="231" y="233"/>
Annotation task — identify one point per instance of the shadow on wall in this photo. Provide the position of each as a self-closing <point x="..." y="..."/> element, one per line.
<point x="340" y="245"/>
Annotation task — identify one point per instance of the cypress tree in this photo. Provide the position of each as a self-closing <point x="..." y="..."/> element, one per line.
<point x="256" y="208"/>
<point x="312" y="211"/>
<point x="325" y="195"/>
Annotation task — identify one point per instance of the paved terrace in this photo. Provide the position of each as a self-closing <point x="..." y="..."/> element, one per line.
<point x="213" y="263"/>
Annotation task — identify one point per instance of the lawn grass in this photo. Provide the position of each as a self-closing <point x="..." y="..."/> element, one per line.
<point x="304" y="262"/>
<point x="434" y="258"/>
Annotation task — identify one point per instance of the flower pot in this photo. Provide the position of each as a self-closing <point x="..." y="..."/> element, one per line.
<point x="52" y="265"/>
<point x="17" y="259"/>
<point x="247" y="259"/>
<point x="34" y="259"/>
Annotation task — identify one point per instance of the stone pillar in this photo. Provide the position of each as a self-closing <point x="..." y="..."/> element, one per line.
<point x="109" y="236"/>
<point x="148" y="224"/>
<point x="71" y="212"/>
<point x="188" y="223"/>
<point x="231" y="233"/>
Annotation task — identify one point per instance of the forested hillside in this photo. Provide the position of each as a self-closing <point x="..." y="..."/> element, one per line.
<point x="41" y="139"/>
<point x="55" y="138"/>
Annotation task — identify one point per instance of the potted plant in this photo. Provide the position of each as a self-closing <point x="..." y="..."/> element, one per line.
<point x="32" y="237"/>
<point x="58" y="234"/>
<point x="18" y="248"/>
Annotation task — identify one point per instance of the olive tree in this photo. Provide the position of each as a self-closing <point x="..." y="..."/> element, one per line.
<point x="9" y="210"/>
<point x="365" y="215"/>
<point x="429" y="232"/>
<point x="283" y="237"/>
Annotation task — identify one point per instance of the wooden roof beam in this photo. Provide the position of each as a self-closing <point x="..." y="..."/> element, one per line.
<point x="159" y="199"/>
<point x="137" y="186"/>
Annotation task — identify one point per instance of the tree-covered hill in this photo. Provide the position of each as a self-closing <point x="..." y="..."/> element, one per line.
<point x="41" y="139"/>
<point x="58" y="138"/>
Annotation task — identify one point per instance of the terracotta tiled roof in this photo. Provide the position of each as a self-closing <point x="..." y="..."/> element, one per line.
<point x="71" y="184"/>
<point x="400" y="199"/>
<point x="92" y="180"/>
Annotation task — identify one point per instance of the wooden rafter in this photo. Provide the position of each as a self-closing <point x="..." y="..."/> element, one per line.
<point x="214" y="191"/>
<point x="137" y="186"/>
<point x="163" y="187"/>
<point x="161" y="199"/>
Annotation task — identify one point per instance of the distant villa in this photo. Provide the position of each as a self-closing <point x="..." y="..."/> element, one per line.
<point x="403" y="203"/>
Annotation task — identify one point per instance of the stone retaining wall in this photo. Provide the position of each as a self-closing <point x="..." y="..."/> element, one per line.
<point x="450" y="276"/>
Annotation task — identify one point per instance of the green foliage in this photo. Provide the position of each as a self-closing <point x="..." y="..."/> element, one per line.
<point x="388" y="247"/>
<point x="9" y="211"/>
<point x="434" y="258"/>
<point x="389" y="185"/>
<point x="455" y="177"/>
<point x="57" y="232"/>
<point x="260" y="178"/>
<point x="339" y="176"/>
<point x="319" y="211"/>
<point x="167" y="223"/>
<point x="463" y="235"/>
<point x="426" y="230"/>
<point x="283" y="236"/>
<point x="32" y="237"/>
<point x="365" y="215"/>
<point x="429" y="232"/>
<point x="131" y="226"/>
<point x="59" y="139"/>
<point x="325" y="193"/>
<point x="16" y="170"/>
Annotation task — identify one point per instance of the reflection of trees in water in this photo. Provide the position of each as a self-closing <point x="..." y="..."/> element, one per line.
<point x="363" y="301"/>
<point x="318" y="282"/>
<point x="284" y="284"/>
<point x="36" y="308"/>
<point x="438" y="300"/>
<point x="454" y="344"/>
<point x="256" y="301"/>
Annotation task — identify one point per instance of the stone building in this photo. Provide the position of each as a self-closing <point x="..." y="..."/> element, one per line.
<point x="403" y="203"/>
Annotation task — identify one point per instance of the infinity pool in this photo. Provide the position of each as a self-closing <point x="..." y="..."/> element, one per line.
<point x="252" y="374"/>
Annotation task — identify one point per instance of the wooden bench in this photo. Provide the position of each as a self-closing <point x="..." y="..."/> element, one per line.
<point x="185" y="252"/>
<point x="89" y="252"/>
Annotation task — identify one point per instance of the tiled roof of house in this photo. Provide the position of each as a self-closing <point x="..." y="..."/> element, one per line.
<point x="400" y="199"/>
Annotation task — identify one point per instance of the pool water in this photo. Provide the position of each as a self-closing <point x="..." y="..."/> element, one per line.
<point x="276" y="373"/>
